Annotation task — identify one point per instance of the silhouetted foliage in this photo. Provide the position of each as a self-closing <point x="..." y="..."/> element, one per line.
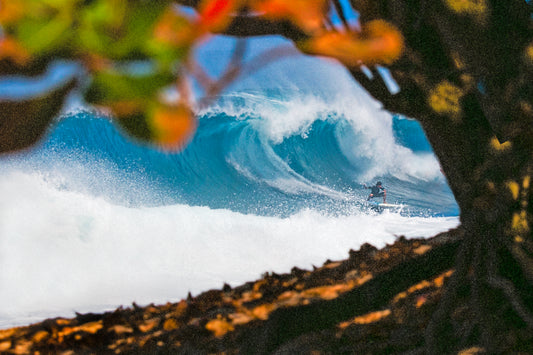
<point x="464" y="68"/>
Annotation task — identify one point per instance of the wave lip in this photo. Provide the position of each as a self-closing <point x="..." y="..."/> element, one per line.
<point x="92" y="220"/>
<point x="271" y="155"/>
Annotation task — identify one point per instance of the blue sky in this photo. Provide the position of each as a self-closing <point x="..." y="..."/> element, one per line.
<point x="16" y="87"/>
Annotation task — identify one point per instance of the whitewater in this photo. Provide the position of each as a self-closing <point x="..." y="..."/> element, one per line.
<point x="272" y="179"/>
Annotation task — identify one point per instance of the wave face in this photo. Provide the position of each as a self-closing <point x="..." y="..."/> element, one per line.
<point x="255" y="154"/>
<point x="272" y="179"/>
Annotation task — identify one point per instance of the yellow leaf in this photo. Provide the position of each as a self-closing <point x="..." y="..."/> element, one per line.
<point x="476" y="8"/>
<point x="121" y="329"/>
<point x="526" y="182"/>
<point x="422" y="249"/>
<point x="445" y="98"/>
<point x="472" y="351"/>
<point x="40" y="335"/>
<point x="528" y="53"/>
<point x="148" y="325"/>
<point x="497" y="146"/>
<point x="262" y="311"/>
<point x="520" y="223"/>
<point x="240" y="318"/>
<point x="514" y="187"/>
<point x="326" y="292"/>
<point x="439" y="280"/>
<point x="5" y="345"/>
<point x="91" y="327"/>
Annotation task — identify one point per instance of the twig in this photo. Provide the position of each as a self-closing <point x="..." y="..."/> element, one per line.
<point x="479" y="265"/>
<point x="338" y="8"/>
<point x="508" y="288"/>
<point x="522" y="258"/>
<point x="232" y="70"/>
<point x="449" y="296"/>
<point x="269" y="56"/>
<point x="199" y="74"/>
<point x="243" y="70"/>
<point x="510" y="292"/>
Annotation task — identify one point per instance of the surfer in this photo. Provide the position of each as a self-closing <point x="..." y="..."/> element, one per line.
<point x="377" y="191"/>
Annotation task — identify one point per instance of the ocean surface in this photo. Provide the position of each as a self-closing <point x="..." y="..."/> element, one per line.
<point x="273" y="178"/>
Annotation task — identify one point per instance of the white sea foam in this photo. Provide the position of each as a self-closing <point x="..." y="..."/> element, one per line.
<point x="307" y="89"/>
<point x="374" y="146"/>
<point x="62" y="251"/>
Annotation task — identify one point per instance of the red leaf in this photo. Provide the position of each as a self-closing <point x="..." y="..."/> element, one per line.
<point x="215" y="15"/>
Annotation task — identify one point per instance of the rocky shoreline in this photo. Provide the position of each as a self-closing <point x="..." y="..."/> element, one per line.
<point x="375" y="301"/>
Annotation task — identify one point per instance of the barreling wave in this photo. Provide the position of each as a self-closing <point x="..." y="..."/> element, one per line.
<point x="272" y="179"/>
<point x="269" y="155"/>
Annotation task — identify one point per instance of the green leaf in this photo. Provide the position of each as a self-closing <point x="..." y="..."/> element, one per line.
<point x="47" y="25"/>
<point x="137" y="126"/>
<point x="115" y="86"/>
<point x="118" y="32"/>
<point x="165" y="55"/>
<point x="44" y="35"/>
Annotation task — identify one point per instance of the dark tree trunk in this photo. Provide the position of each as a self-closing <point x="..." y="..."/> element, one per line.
<point x="465" y="76"/>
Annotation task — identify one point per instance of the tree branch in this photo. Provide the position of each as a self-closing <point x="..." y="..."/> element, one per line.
<point x="338" y="7"/>
<point x="249" y="26"/>
<point x="244" y="25"/>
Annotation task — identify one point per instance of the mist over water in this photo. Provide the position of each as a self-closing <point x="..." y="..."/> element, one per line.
<point x="91" y="220"/>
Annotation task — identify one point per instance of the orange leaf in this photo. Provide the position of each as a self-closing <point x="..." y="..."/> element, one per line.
<point x="307" y="15"/>
<point x="262" y="311"/>
<point x="175" y="29"/>
<point x="170" y="324"/>
<point x="126" y="108"/>
<point x="173" y="126"/>
<point x="215" y="15"/>
<point x="9" y="48"/>
<point x="379" y="42"/>
<point x="219" y="327"/>
<point x="368" y="318"/>
<point x="11" y="10"/>
<point x="96" y="62"/>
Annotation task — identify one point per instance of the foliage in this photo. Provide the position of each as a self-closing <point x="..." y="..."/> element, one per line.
<point x="464" y="68"/>
<point x="110" y="36"/>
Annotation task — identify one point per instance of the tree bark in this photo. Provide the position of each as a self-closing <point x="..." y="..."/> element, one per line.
<point x="466" y="74"/>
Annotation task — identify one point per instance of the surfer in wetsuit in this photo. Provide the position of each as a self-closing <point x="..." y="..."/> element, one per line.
<point x="377" y="191"/>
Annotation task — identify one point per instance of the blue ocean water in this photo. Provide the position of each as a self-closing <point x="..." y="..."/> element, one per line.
<point x="236" y="162"/>
<point x="273" y="178"/>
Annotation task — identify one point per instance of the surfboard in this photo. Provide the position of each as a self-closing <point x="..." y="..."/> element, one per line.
<point x="389" y="205"/>
<point x="381" y="206"/>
